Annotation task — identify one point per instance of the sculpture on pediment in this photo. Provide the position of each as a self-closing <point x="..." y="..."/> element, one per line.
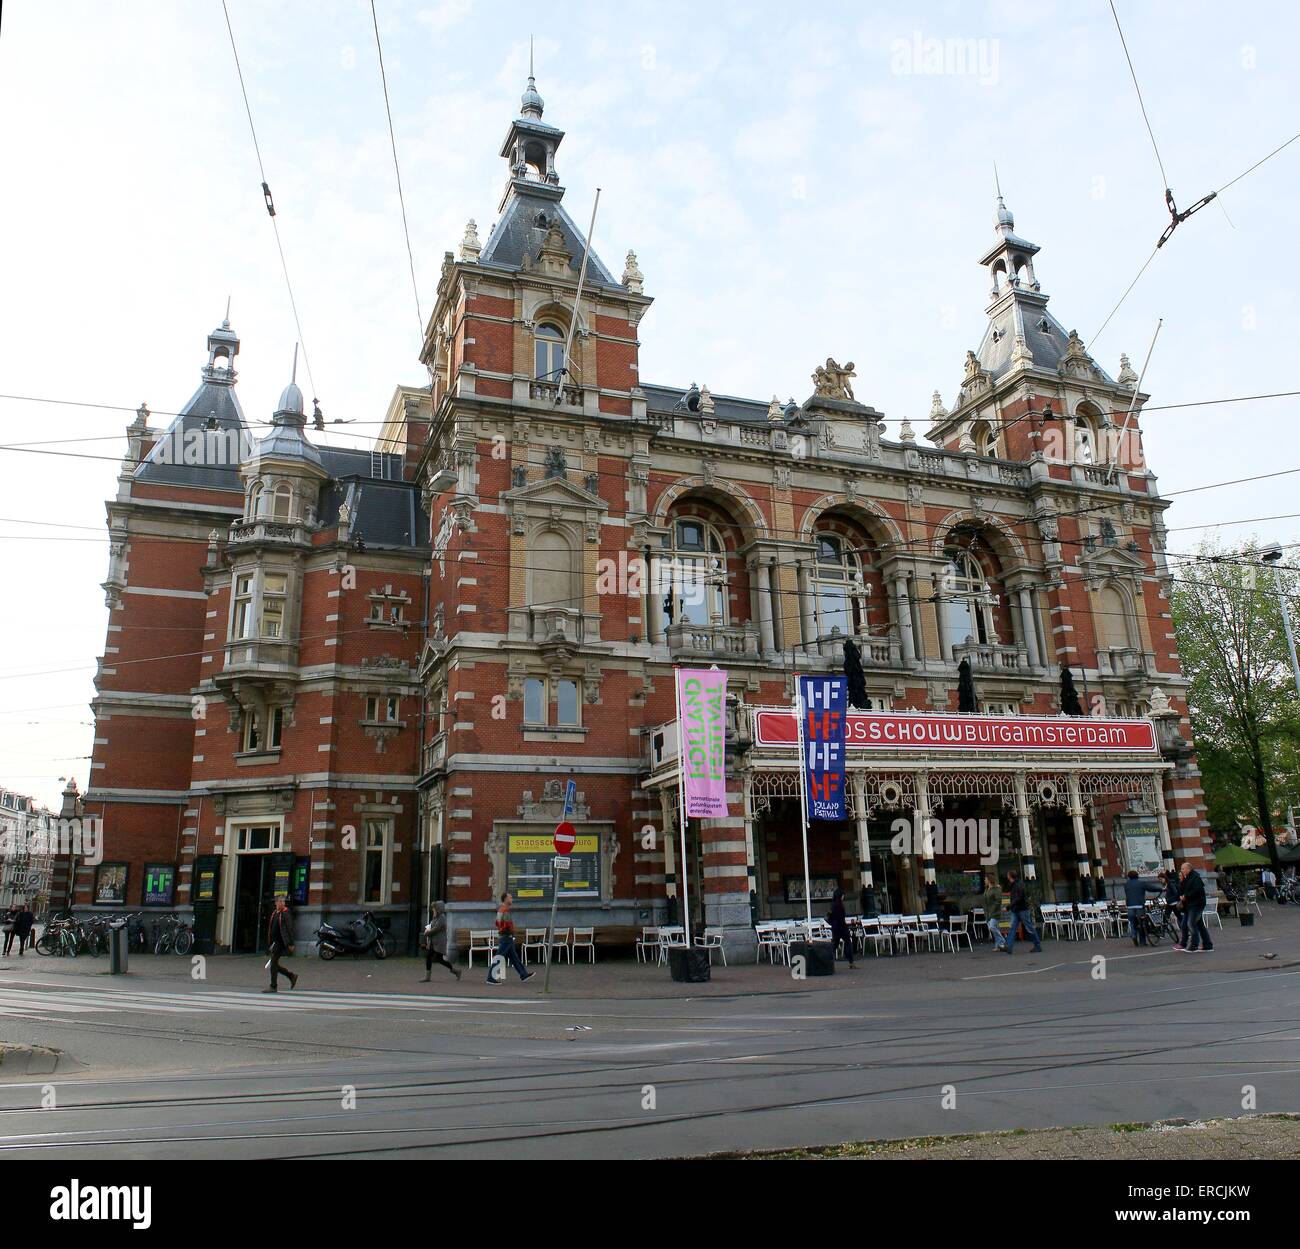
<point x="832" y="382"/>
<point x="556" y="465"/>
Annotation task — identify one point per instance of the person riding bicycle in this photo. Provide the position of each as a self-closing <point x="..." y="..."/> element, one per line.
<point x="1135" y="892"/>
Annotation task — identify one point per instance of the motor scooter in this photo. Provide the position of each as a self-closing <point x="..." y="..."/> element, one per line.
<point x="361" y="936"/>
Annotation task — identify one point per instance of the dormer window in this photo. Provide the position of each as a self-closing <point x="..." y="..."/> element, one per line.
<point x="548" y="354"/>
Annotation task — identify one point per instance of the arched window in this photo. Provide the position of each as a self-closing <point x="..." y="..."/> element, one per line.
<point x="841" y="595"/>
<point x="548" y="353"/>
<point x="967" y="602"/>
<point x="982" y="436"/>
<point x="254" y="500"/>
<point x="1085" y="441"/>
<point x="695" y="577"/>
<point x="280" y="502"/>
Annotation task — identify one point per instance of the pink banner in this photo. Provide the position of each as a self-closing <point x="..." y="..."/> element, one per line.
<point x="701" y="726"/>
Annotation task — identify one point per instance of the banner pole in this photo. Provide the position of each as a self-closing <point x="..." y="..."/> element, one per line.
<point x="803" y="798"/>
<point x="681" y="806"/>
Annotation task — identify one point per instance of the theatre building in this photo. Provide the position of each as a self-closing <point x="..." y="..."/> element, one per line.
<point x="557" y="535"/>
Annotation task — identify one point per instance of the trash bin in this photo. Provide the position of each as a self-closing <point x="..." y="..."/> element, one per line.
<point x="818" y="956"/>
<point x="688" y="965"/>
<point x="118" y="945"/>
<point x="1246" y="918"/>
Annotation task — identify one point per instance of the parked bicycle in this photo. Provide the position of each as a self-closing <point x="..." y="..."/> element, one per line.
<point x="175" y="936"/>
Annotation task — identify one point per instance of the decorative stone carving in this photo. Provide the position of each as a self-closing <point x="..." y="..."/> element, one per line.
<point x="1126" y="375"/>
<point x="469" y="245"/>
<point x="937" y="411"/>
<point x="781" y="477"/>
<point x="905" y="431"/>
<point x="774" y="411"/>
<point x="914" y="494"/>
<point x="707" y="406"/>
<point x="709" y="470"/>
<point x="832" y="382"/>
<point x="556" y="466"/>
<point x="519" y="476"/>
<point x="633" y="278"/>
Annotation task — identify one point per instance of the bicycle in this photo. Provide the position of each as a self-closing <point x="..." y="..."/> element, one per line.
<point x="176" y="936"/>
<point x="1159" y="921"/>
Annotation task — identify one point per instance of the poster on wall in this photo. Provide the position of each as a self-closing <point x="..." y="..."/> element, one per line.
<point x="823" y="704"/>
<point x="110" y="884"/>
<point x="529" y="869"/>
<point x="823" y="888"/>
<point x="1139" y="844"/>
<point x="159" y="884"/>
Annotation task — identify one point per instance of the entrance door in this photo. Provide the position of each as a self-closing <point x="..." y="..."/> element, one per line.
<point x="254" y="902"/>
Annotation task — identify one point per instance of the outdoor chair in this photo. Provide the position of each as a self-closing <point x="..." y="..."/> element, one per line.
<point x="958" y="931"/>
<point x="535" y="940"/>
<point x="871" y="932"/>
<point x="671" y="938"/>
<point x="712" y="940"/>
<point x="560" y="939"/>
<point x="891" y="928"/>
<point x="1212" y="911"/>
<point x="583" y="939"/>
<point x="979" y="924"/>
<point x="647" y="942"/>
<point x="483" y="941"/>
<point x="1091" y="919"/>
<point x="1252" y="899"/>
<point x="930" y="930"/>
<point x="771" y="940"/>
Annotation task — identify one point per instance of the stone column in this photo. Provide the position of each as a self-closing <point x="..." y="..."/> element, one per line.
<point x="1098" y="867"/>
<point x="1027" y="630"/>
<point x="750" y="862"/>
<point x="1162" y="820"/>
<point x="903" y="610"/>
<point x="654" y="623"/>
<point x="1080" y="836"/>
<point x="807" y="627"/>
<point x="761" y="592"/>
<point x="1022" y="818"/>
<point x="724" y="850"/>
<point x="941" y="622"/>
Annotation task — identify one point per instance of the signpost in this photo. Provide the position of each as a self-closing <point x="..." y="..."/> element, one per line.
<point x="565" y="838"/>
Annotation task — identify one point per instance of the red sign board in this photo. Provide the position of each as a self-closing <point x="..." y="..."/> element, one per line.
<point x="565" y="836"/>
<point x="894" y="730"/>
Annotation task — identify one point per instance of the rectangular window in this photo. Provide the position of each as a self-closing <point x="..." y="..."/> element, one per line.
<point x="372" y="708"/>
<point x="259" y="837"/>
<point x="276" y="728"/>
<point x="252" y="736"/>
<point x="390" y="708"/>
<point x="273" y="592"/>
<point x="534" y="701"/>
<point x="566" y="702"/>
<point x="242" y="621"/>
<point x="374" y="875"/>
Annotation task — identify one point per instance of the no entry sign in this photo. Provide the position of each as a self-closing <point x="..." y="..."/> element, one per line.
<point x="565" y="836"/>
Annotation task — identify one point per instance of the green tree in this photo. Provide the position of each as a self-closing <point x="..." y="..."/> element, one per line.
<point x="1242" y="701"/>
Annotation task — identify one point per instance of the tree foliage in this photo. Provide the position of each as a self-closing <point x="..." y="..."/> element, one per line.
<point x="1242" y="701"/>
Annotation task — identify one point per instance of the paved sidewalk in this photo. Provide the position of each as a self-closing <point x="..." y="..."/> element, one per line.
<point x="1236" y="950"/>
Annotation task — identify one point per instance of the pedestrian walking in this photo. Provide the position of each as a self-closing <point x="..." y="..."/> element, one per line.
<point x="24" y="922"/>
<point x="7" y="922"/>
<point x="1269" y="881"/>
<point x="506" y="948"/>
<point x="839" y="922"/>
<point x="435" y="942"/>
<point x="993" y="910"/>
<point x="1135" y="901"/>
<point x="279" y="940"/>
<point x="1020" y="914"/>
<point x="1197" y="935"/>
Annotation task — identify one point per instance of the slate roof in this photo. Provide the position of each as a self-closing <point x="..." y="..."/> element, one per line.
<point x="726" y="407"/>
<point x="517" y="233"/>
<point x="164" y="465"/>
<point x="1044" y="335"/>
<point x="389" y="512"/>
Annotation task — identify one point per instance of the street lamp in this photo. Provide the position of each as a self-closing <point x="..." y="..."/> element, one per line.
<point x="1271" y="557"/>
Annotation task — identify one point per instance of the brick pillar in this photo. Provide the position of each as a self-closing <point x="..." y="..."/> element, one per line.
<point x="724" y="847"/>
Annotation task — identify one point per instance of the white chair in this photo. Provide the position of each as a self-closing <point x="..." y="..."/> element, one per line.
<point x="870" y="929"/>
<point x="583" y="939"/>
<point x="1252" y="899"/>
<point x="482" y="941"/>
<point x="671" y="937"/>
<point x="712" y="940"/>
<point x="1092" y="919"/>
<point x="645" y="943"/>
<point x="979" y="923"/>
<point x="958" y="931"/>
<point x="891" y="928"/>
<point x="771" y="940"/>
<point x="1212" y="911"/>
<point x="560" y="940"/>
<point x="535" y="940"/>
<point x="930" y="930"/>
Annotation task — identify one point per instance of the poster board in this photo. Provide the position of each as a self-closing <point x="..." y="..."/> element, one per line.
<point x="529" y="871"/>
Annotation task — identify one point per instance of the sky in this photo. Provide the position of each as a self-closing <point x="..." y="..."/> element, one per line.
<point x="797" y="182"/>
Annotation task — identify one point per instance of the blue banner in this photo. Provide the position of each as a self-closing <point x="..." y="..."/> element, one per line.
<point x="824" y="708"/>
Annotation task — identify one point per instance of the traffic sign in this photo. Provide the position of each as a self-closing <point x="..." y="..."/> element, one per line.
<point x="565" y="836"/>
<point x="570" y="795"/>
<point x="561" y="862"/>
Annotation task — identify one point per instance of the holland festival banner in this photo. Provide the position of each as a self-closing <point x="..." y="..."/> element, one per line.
<point x="701" y="729"/>
<point x="823" y="702"/>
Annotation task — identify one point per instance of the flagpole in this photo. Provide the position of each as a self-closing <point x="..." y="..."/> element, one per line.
<point x="803" y="797"/>
<point x="681" y="808"/>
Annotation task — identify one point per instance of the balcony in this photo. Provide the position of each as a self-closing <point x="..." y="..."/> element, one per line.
<point x="712" y="641"/>
<point x="435" y="754"/>
<point x="992" y="657"/>
<point x="554" y="625"/>
<point x="246" y="532"/>
<point x="878" y="651"/>
<point x="1124" y="661"/>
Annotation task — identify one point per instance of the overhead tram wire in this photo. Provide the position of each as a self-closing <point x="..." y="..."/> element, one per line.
<point x="1141" y="102"/>
<point x="270" y="203"/>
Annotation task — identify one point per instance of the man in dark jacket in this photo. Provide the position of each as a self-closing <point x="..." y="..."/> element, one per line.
<point x="279" y="940"/>
<point x="1020" y="914"/>
<point x="1192" y="891"/>
<point x="1135" y="900"/>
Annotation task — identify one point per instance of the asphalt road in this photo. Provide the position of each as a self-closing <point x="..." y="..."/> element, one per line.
<point x="627" y="1064"/>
